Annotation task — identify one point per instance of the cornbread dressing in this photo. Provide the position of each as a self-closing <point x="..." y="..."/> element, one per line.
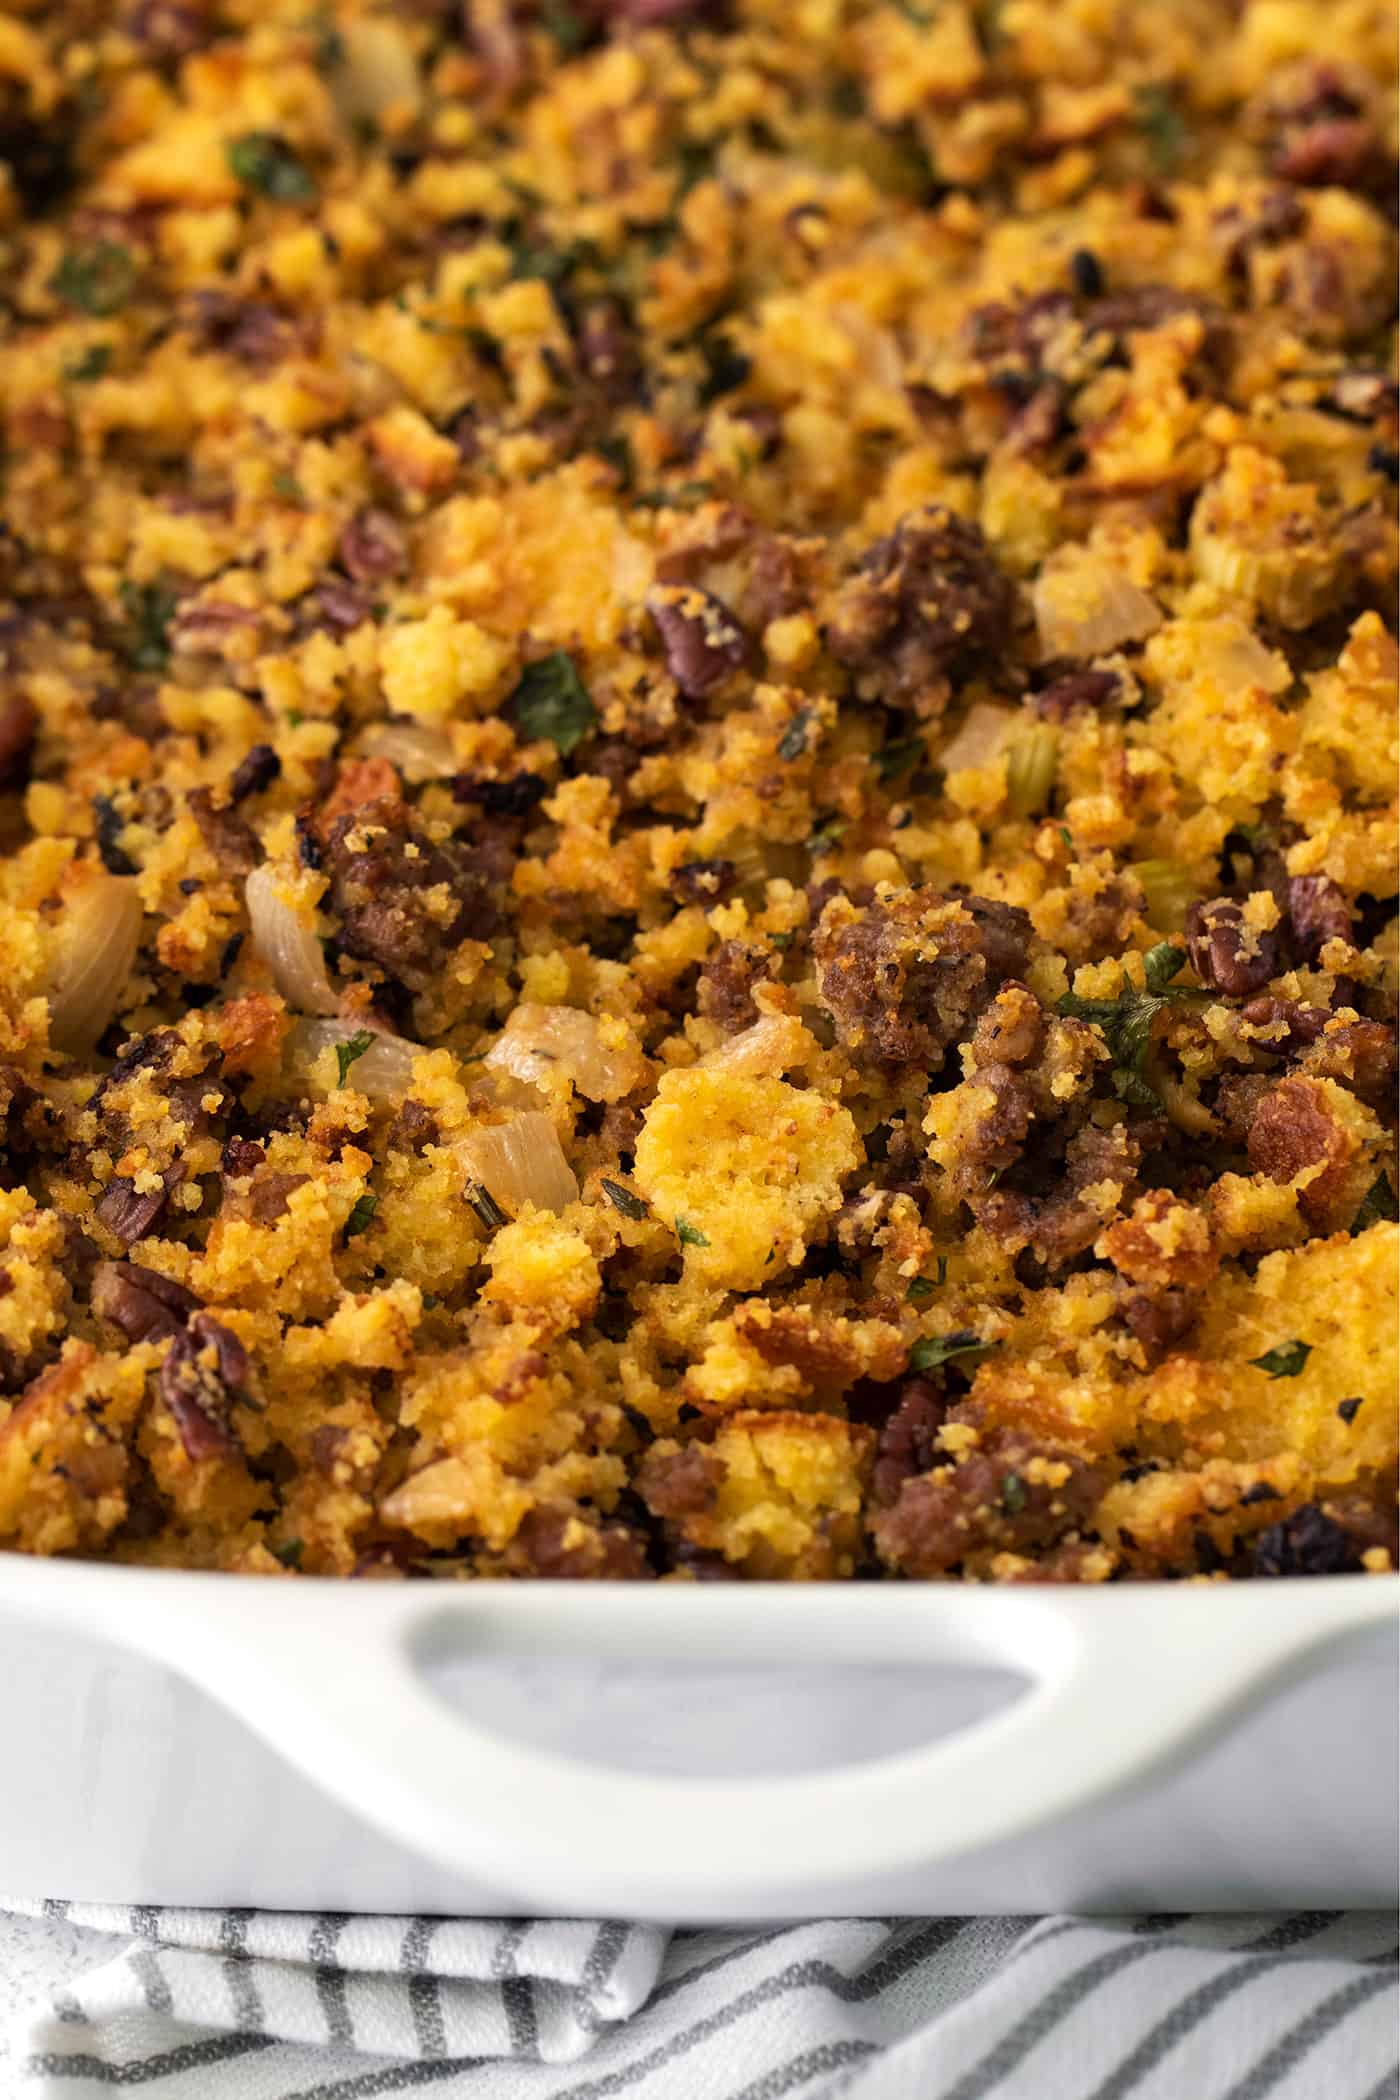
<point x="697" y="787"/>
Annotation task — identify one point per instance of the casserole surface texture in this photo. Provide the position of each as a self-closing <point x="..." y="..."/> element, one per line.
<point x="697" y="765"/>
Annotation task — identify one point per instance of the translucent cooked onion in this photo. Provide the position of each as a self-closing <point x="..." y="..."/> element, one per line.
<point x="540" y="1040"/>
<point x="1084" y="608"/>
<point x="384" y="1071"/>
<point x="979" y="738"/>
<point x="521" y="1162"/>
<point x="1168" y="890"/>
<point x="768" y="1047"/>
<point x="419" y="751"/>
<point x="286" y="940"/>
<point x="100" y="934"/>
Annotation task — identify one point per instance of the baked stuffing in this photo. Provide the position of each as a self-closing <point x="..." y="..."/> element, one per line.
<point x="697" y="752"/>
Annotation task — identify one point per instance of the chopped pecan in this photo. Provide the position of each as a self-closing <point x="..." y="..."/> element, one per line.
<point x="205" y="1371"/>
<point x="1226" y="952"/>
<point x="142" y="1302"/>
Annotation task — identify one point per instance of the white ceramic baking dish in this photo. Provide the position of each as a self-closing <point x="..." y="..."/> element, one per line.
<point x="695" y="1752"/>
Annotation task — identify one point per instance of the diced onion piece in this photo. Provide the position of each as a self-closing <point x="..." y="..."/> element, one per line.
<point x="286" y="940"/>
<point x="419" y="751"/>
<point x="538" y="1041"/>
<point x="1085" y="608"/>
<point x="384" y="1071"/>
<point x="439" y="1493"/>
<point x="100" y="934"/>
<point x="522" y="1162"/>
<point x="374" y="70"/>
<point x="979" y="738"/>
<point x="766" y="1048"/>
<point x="1030" y="768"/>
<point x="1167" y="889"/>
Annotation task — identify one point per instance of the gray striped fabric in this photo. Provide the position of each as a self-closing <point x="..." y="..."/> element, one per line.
<point x="241" y="2005"/>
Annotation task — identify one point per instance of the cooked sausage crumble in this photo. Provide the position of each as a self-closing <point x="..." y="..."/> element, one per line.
<point x="697" y="788"/>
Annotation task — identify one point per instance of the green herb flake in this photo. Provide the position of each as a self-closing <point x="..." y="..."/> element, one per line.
<point x="551" y="703"/>
<point x="1286" y="1361"/>
<point x="149" y="610"/>
<point x="782" y="939"/>
<point x="690" y="1235"/>
<point x="361" y="1215"/>
<point x="1065" y="835"/>
<point x="289" y="1552"/>
<point x="793" y="741"/>
<point x="1162" y="126"/>
<point x="893" y="759"/>
<point x="353" y="1047"/>
<point x="623" y="1199"/>
<point x="1126" y="1023"/>
<point x="263" y="161"/>
<point x="938" y="1349"/>
<point x="97" y="280"/>
<point x="1378" y="1206"/>
<point x="288" y="489"/>
<point x="683" y="496"/>
<point x="1349" y="1409"/>
<point x="486" y="1207"/>
<point x="1013" y="1494"/>
<point x="93" y="364"/>
<point x="940" y="1270"/>
<point x="568" y="28"/>
<point x="920" y="1290"/>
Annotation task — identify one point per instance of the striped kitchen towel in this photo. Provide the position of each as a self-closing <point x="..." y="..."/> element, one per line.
<point x="238" y="2005"/>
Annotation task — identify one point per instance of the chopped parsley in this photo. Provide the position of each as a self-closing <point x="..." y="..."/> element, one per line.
<point x="149" y="610"/>
<point x="361" y="1214"/>
<point x="922" y="1288"/>
<point x="893" y="759"/>
<point x="354" y="1046"/>
<point x="289" y="1552"/>
<point x="263" y="161"/>
<point x="793" y="741"/>
<point x="1013" y="1494"/>
<point x="1126" y="1022"/>
<point x="92" y="364"/>
<point x="568" y="28"/>
<point x="938" y="1349"/>
<point x="1162" y="125"/>
<point x="1286" y="1361"/>
<point x="288" y="489"/>
<point x="690" y="1235"/>
<point x="551" y="703"/>
<point x="623" y="1199"/>
<point x="97" y="280"/>
<point x="1378" y="1206"/>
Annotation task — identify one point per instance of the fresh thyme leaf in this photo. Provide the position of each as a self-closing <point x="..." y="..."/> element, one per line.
<point x="551" y="701"/>
<point x="1377" y="1206"/>
<point x="1286" y="1361"/>
<point x="149" y="610"/>
<point x="623" y="1199"/>
<point x="793" y="741"/>
<point x="690" y="1235"/>
<point x="361" y="1215"/>
<point x="937" y="1349"/>
<point x="97" y="279"/>
<point x="263" y="161"/>
<point x="354" y="1046"/>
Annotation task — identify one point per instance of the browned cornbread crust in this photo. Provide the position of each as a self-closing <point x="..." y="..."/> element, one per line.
<point x="697" y="766"/>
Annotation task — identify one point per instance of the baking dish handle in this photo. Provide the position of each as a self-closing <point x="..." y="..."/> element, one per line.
<point x="1120" y="1680"/>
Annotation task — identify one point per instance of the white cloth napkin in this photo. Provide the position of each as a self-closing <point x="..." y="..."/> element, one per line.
<point x="240" y="2005"/>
